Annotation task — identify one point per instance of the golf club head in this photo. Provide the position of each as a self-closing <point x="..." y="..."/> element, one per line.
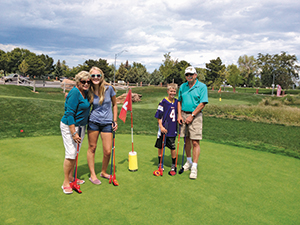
<point x="172" y="173"/>
<point x="115" y="182"/>
<point x="75" y="187"/>
<point x="181" y="170"/>
<point x="156" y="173"/>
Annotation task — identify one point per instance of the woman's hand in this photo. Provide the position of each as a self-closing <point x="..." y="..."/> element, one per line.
<point x="115" y="126"/>
<point x="77" y="139"/>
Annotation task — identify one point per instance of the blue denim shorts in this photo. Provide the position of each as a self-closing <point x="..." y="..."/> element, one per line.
<point x="105" y="128"/>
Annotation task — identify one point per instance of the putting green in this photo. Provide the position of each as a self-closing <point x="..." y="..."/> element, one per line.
<point x="234" y="186"/>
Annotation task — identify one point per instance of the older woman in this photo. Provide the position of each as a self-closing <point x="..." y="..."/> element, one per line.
<point x="75" y="118"/>
<point x="101" y="122"/>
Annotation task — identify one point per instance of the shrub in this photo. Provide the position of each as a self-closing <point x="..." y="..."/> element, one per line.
<point x="288" y="100"/>
<point x="261" y="113"/>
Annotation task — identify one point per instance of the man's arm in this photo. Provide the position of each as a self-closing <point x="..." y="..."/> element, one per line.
<point x="198" y="109"/>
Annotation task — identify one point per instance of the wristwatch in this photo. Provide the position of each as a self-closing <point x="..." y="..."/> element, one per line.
<point x="193" y="115"/>
<point x="73" y="135"/>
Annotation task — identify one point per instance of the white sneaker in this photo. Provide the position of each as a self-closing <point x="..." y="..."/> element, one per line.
<point x="187" y="166"/>
<point x="193" y="174"/>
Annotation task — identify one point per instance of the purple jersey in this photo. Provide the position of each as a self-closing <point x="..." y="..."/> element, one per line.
<point x="167" y="112"/>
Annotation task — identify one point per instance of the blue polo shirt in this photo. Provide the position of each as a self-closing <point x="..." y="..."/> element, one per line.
<point x="190" y="98"/>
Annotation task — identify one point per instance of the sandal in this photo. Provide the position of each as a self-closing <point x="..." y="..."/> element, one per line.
<point x="66" y="190"/>
<point x="78" y="181"/>
<point x="105" y="177"/>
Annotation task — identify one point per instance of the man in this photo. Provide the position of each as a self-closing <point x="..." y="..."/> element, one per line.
<point x="192" y="98"/>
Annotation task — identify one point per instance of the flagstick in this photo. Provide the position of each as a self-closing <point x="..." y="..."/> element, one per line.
<point x="131" y="130"/>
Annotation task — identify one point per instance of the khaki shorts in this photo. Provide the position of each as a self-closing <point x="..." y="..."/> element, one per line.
<point x="194" y="129"/>
<point x="69" y="143"/>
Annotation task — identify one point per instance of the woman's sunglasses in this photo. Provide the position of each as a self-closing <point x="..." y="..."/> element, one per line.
<point x="96" y="75"/>
<point x="85" y="81"/>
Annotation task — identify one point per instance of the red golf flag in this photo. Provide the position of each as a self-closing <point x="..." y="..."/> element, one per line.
<point x="219" y="90"/>
<point x="126" y="106"/>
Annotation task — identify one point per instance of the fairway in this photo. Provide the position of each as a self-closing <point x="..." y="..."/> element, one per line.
<point x="234" y="186"/>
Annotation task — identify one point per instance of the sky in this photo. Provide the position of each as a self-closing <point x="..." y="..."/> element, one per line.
<point x="143" y="31"/>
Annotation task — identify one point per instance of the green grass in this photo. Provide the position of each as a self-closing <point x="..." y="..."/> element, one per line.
<point x="234" y="186"/>
<point x="38" y="114"/>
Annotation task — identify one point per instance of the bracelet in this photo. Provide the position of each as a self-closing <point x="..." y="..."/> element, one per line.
<point x="74" y="134"/>
<point x="193" y="115"/>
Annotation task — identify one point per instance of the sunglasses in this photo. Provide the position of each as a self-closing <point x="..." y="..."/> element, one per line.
<point x="96" y="75"/>
<point x="189" y="74"/>
<point x="85" y="81"/>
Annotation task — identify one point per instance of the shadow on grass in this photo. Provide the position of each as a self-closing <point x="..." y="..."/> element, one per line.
<point x="84" y="169"/>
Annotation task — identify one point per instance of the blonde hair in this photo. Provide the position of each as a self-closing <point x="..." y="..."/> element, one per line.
<point x="81" y="75"/>
<point x="101" y="89"/>
<point x="172" y="86"/>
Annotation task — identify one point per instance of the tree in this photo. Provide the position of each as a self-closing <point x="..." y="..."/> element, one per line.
<point x="234" y="76"/>
<point x="166" y="69"/>
<point x="178" y="75"/>
<point x="156" y="77"/>
<point x="132" y="75"/>
<point x="3" y="61"/>
<point x="121" y="74"/>
<point x="48" y="64"/>
<point x="247" y="66"/>
<point x="264" y="63"/>
<point x="110" y="76"/>
<point x="15" y="57"/>
<point x="100" y="63"/>
<point x="215" y="73"/>
<point x="23" y="67"/>
<point x="201" y="74"/>
<point x="279" y="69"/>
<point x="127" y="66"/>
<point x="172" y="70"/>
<point x="36" y="65"/>
<point x="58" y="71"/>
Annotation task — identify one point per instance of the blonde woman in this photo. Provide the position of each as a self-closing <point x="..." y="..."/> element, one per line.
<point x="102" y="121"/>
<point x="77" y="108"/>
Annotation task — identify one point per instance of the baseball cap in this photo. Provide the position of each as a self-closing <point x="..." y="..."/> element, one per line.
<point x="190" y="69"/>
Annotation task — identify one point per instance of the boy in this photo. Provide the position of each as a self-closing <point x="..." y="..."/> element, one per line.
<point x="166" y="115"/>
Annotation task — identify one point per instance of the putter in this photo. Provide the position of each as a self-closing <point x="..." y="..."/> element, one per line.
<point x="111" y="163"/>
<point x="114" y="180"/>
<point x="159" y="171"/>
<point x="182" y="169"/>
<point x="74" y="185"/>
<point x="173" y="173"/>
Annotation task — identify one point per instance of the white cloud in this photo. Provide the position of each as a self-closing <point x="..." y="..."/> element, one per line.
<point x="192" y="30"/>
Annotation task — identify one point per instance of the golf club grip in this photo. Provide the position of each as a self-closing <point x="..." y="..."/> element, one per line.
<point x="79" y="131"/>
<point x="163" y="156"/>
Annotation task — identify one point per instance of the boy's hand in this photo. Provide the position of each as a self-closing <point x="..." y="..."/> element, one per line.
<point x="180" y="120"/>
<point x="163" y="130"/>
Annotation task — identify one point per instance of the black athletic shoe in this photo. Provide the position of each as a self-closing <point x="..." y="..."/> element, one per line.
<point x="172" y="172"/>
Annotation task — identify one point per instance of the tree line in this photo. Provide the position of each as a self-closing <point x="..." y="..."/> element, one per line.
<point x="262" y="71"/>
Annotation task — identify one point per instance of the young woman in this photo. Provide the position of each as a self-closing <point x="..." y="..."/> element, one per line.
<point x="75" y="118"/>
<point x="102" y="121"/>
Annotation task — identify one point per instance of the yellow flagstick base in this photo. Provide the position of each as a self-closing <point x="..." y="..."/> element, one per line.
<point x="132" y="159"/>
<point x="220" y="99"/>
